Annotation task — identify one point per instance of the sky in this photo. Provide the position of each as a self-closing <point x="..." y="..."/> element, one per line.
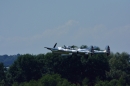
<point x="27" y="26"/>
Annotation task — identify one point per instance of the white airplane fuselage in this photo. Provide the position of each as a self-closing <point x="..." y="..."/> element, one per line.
<point x="63" y="51"/>
<point x="69" y="50"/>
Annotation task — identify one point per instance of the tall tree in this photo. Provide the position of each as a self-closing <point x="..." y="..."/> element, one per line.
<point x="2" y="74"/>
<point x="95" y="68"/>
<point x="25" y="68"/>
<point x="71" y="68"/>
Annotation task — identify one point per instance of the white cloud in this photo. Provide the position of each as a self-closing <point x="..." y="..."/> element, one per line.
<point x="72" y="33"/>
<point x="56" y="33"/>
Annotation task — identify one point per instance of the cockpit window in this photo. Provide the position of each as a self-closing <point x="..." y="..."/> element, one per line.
<point x="70" y="47"/>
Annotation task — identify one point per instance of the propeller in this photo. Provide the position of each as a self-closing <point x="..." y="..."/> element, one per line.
<point x="55" y="45"/>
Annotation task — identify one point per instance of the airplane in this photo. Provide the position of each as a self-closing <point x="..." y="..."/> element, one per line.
<point x="69" y="50"/>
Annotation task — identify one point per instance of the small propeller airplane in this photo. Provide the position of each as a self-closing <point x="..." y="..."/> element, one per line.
<point x="68" y="50"/>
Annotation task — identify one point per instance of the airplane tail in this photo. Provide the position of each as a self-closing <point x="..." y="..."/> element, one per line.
<point x="55" y="45"/>
<point x="51" y="48"/>
<point x="107" y="50"/>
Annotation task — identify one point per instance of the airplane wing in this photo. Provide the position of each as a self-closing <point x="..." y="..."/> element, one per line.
<point x="48" y="48"/>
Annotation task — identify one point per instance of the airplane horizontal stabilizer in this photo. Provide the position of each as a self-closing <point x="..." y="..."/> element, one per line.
<point x="48" y="48"/>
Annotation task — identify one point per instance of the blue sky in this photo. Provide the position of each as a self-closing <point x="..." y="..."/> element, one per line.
<point x="27" y="26"/>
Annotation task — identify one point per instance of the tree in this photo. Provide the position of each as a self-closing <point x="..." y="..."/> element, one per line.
<point x="2" y="74"/>
<point x="47" y="80"/>
<point x="54" y="80"/>
<point x="95" y="67"/>
<point x="119" y="68"/>
<point x="52" y="63"/>
<point x="41" y="62"/>
<point x="71" y="68"/>
<point x="25" y="68"/>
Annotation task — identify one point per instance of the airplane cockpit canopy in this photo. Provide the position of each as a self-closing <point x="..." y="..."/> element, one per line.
<point x="70" y="47"/>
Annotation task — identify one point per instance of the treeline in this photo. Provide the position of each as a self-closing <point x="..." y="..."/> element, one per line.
<point x="8" y="60"/>
<point x="55" y="70"/>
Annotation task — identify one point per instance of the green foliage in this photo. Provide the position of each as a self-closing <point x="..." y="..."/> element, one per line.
<point x="31" y="83"/>
<point x="47" y="70"/>
<point x="47" y="80"/>
<point x="15" y="84"/>
<point x="24" y="68"/>
<point x="2" y="74"/>
<point x="8" y="60"/>
<point x="85" y="82"/>
<point x="120" y="67"/>
<point x="52" y="63"/>
<point x="71" y="68"/>
<point x="54" y="80"/>
<point x="103" y="83"/>
<point x="113" y="82"/>
<point x="96" y="66"/>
